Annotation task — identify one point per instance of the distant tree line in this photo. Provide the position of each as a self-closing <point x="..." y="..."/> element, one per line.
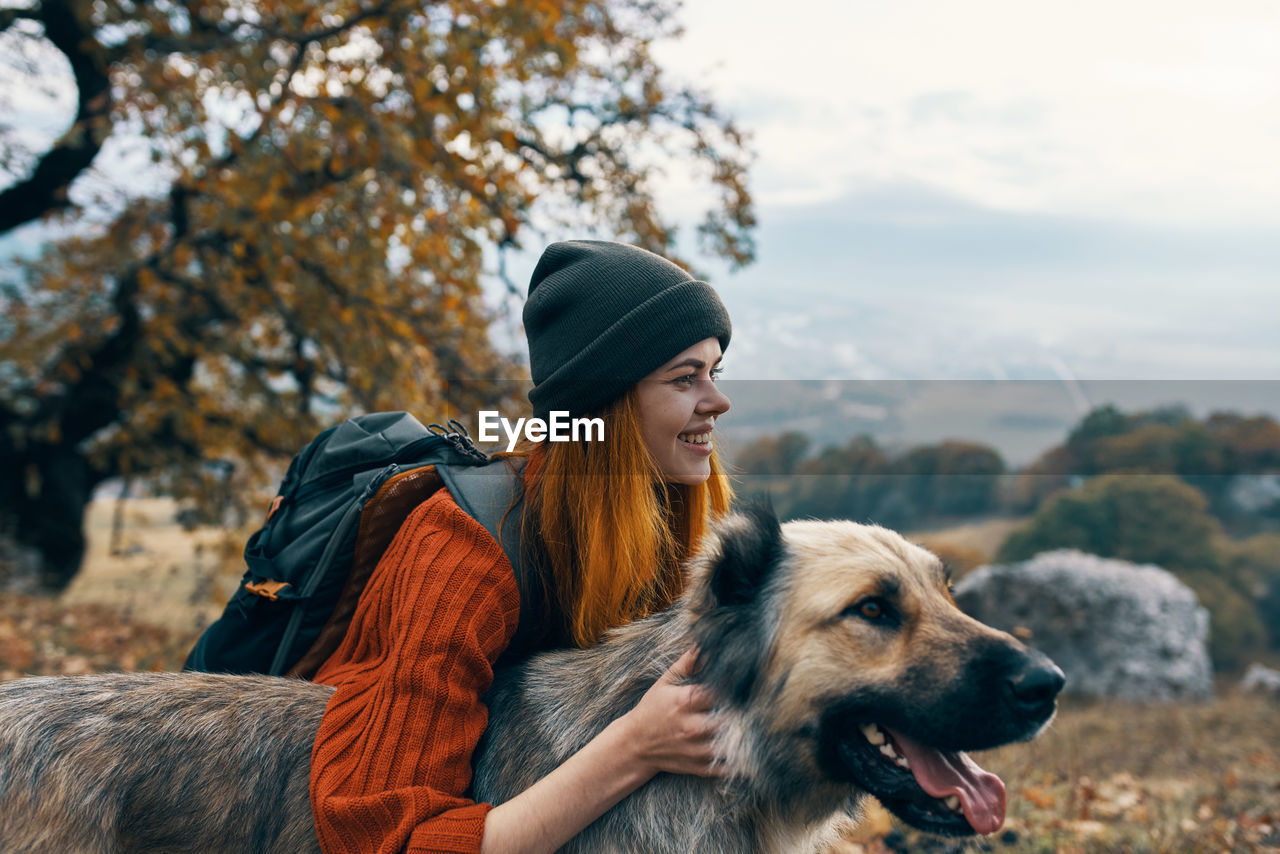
<point x="1210" y="454"/>
<point x="861" y="480"/>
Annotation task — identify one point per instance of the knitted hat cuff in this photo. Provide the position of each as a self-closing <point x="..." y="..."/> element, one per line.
<point x="635" y="345"/>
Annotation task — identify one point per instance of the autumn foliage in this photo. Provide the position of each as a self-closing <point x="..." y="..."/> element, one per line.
<point x="339" y="178"/>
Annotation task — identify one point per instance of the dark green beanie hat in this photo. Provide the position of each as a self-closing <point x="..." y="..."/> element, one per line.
<point x="602" y="316"/>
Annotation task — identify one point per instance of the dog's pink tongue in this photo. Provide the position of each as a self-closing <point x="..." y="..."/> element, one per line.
<point x="941" y="774"/>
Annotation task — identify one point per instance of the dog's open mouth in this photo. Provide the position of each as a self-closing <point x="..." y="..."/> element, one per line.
<point x="934" y="790"/>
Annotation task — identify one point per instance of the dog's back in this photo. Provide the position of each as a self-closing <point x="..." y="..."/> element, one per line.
<point x="158" y="763"/>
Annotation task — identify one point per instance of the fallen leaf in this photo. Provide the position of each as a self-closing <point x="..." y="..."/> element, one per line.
<point x="1039" y="797"/>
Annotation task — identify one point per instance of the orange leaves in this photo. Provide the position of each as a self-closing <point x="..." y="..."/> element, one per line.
<point x="146" y="278"/>
<point x="40" y="636"/>
<point x="1040" y="797"/>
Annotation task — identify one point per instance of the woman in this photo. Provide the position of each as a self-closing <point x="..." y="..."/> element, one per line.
<point x="613" y="331"/>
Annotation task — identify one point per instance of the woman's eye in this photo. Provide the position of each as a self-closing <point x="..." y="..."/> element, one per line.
<point x="715" y="373"/>
<point x="688" y="379"/>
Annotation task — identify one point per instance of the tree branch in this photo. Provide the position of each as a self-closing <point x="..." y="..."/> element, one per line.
<point x="46" y="189"/>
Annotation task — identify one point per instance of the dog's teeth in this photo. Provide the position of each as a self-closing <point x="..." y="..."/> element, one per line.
<point x="873" y="733"/>
<point x="953" y="803"/>
<point x="902" y="762"/>
<point x="887" y="750"/>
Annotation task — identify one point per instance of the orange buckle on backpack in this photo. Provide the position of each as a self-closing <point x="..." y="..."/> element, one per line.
<point x="275" y="505"/>
<point x="266" y="589"/>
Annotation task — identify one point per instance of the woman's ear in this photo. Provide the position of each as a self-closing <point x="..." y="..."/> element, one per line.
<point x="750" y="547"/>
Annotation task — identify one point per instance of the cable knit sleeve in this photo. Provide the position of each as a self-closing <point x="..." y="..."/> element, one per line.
<point x="392" y="760"/>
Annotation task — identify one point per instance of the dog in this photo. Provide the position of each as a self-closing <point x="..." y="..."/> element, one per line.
<point x="840" y="664"/>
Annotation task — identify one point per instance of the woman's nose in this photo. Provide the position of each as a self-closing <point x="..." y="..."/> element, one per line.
<point x="716" y="402"/>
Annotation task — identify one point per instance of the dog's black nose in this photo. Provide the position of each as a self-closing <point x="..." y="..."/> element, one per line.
<point x="1035" y="688"/>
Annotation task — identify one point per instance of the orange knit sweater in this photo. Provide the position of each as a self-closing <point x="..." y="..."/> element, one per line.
<point x="392" y="760"/>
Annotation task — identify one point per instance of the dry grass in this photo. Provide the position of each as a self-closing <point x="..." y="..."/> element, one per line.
<point x="969" y="545"/>
<point x="138" y="609"/>
<point x="160" y="573"/>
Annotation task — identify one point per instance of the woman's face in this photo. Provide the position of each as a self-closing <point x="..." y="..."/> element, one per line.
<point x="679" y="404"/>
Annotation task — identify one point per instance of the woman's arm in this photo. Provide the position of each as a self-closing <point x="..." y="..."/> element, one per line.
<point x="392" y="757"/>
<point x="670" y="729"/>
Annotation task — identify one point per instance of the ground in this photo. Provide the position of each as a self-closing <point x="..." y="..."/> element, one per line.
<point x="1105" y="777"/>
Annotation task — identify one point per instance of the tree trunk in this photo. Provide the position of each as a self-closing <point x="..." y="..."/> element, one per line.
<point x="43" y="503"/>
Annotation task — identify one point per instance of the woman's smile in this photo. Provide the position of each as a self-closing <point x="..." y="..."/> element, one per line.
<point x="679" y="405"/>
<point x="697" y="441"/>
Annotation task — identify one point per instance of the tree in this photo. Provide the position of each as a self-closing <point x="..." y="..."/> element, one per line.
<point x="339" y="175"/>
<point x="841" y="481"/>
<point x="773" y="455"/>
<point x="952" y="478"/>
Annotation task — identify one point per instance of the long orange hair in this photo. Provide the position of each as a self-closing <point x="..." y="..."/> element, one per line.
<point x="602" y="529"/>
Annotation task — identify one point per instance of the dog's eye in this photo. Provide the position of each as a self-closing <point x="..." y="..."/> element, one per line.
<point x="873" y="609"/>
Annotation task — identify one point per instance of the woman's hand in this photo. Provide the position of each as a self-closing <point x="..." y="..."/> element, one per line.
<point x="671" y="728"/>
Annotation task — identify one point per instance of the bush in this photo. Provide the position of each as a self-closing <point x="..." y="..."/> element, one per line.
<point x="1236" y="634"/>
<point x="1255" y="563"/>
<point x="1141" y="518"/>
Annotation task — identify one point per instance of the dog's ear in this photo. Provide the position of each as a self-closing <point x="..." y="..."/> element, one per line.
<point x="749" y="550"/>
<point x="733" y="629"/>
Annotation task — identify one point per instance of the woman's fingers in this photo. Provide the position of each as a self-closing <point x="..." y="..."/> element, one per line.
<point x="698" y="698"/>
<point x="685" y="666"/>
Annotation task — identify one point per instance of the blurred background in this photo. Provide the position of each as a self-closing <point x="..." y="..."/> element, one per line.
<point x="1002" y="276"/>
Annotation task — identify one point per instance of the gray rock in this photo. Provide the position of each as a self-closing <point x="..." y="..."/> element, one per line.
<point x="1115" y="628"/>
<point x="1259" y="677"/>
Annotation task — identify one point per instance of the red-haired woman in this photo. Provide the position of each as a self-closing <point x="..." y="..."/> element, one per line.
<point x="614" y="332"/>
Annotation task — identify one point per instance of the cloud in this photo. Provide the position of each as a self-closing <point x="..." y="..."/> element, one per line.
<point x="1149" y="111"/>
<point x="901" y="282"/>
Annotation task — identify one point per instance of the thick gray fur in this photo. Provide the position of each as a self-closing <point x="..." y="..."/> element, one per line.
<point x="157" y="762"/>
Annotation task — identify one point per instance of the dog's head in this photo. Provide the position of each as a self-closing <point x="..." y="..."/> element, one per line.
<point x="845" y="643"/>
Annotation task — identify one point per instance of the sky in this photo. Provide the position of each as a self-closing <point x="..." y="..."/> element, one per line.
<point x="995" y="190"/>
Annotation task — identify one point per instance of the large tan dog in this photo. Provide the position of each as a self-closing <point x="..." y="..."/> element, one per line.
<point x="841" y="665"/>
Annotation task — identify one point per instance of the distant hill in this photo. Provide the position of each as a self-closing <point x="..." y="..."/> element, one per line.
<point x="1018" y="418"/>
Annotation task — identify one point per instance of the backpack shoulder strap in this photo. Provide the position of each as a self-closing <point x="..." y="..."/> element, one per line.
<point x="485" y="493"/>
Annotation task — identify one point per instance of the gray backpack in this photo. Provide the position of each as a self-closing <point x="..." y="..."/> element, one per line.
<point x="341" y="502"/>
